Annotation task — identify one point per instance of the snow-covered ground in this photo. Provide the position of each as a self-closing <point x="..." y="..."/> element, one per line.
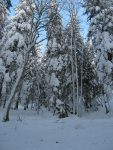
<point x="28" y="131"/>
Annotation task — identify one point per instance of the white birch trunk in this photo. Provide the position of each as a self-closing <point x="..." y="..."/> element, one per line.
<point x="81" y="96"/>
<point x="13" y="91"/>
<point x="77" y="84"/>
<point x="72" y="65"/>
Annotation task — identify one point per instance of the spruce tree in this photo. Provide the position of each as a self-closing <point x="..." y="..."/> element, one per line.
<point x="101" y="32"/>
<point x="4" y="7"/>
<point x="89" y="75"/>
<point x="55" y="62"/>
<point x="7" y="3"/>
<point x="12" y="53"/>
<point x="2" y="19"/>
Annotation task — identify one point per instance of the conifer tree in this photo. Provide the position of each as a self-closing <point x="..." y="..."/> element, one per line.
<point x="4" y="7"/>
<point x="12" y="52"/>
<point x="54" y="56"/>
<point x="101" y="32"/>
<point x="7" y="3"/>
<point x="89" y="75"/>
<point x="2" y="17"/>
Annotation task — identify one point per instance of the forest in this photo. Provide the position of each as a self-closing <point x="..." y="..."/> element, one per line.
<point x="56" y="65"/>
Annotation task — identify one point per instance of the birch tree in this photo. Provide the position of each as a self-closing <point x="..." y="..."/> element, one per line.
<point x="76" y="51"/>
<point x="37" y="11"/>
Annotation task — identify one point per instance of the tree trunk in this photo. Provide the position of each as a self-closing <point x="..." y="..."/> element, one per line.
<point x="16" y="105"/>
<point x="77" y="84"/>
<point x="72" y="66"/>
<point x="11" y="97"/>
<point x="1" y="18"/>
<point x="17" y="99"/>
<point x="4" y="103"/>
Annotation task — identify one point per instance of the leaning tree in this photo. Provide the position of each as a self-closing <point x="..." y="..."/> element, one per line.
<point x="36" y="11"/>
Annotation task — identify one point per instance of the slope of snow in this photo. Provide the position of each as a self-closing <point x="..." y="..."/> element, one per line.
<point x="28" y="131"/>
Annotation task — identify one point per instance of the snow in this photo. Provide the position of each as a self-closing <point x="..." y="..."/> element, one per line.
<point x="107" y="41"/>
<point x="2" y="67"/>
<point x="19" y="60"/>
<point x="59" y="102"/>
<point x="54" y="80"/>
<point x="28" y="131"/>
<point x="56" y="63"/>
<point x="7" y="77"/>
<point x="97" y="8"/>
<point x="11" y="56"/>
<point x="13" y="75"/>
<point x="4" y="88"/>
<point x="109" y="67"/>
<point x="54" y="43"/>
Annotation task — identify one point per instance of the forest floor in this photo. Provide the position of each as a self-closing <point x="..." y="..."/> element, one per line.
<point x="28" y="131"/>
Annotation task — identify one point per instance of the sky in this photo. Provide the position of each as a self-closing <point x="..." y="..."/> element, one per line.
<point x="82" y="19"/>
<point x="14" y="3"/>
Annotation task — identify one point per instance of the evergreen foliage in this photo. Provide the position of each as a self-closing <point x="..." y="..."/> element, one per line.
<point x="71" y="75"/>
<point x="100" y="15"/>
<point x="55" y="60"/>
